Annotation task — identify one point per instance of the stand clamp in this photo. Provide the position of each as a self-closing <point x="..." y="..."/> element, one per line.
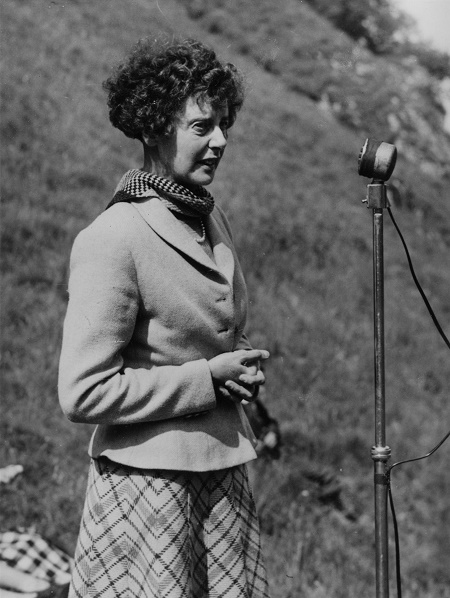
<point x="376" y="198"/>
<point x="381" y="453"/>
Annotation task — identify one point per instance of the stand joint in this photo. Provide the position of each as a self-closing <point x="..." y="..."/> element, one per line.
<point x="381" y="453"/>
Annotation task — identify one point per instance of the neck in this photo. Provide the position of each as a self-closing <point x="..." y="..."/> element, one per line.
<point x="154" y="165"/>
<point x="153" y="162"/>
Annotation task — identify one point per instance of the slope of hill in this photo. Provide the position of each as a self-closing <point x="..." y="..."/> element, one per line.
<point x="393" y="97"/>
<point x="290" y="187"/>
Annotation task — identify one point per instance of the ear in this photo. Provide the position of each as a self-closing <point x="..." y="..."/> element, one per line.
<point x="150" y="140"/>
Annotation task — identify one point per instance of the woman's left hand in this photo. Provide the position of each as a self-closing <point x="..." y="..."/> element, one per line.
<point x="245" y="390"/>
<point x="237" y="374"/>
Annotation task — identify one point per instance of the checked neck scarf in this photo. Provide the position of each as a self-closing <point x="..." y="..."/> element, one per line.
<point x="136" y="184"/>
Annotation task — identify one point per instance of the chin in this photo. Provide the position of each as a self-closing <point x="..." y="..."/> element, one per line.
<point x="196" y="181"/>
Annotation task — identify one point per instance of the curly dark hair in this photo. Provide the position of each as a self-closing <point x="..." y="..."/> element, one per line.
<point x="149" y="89"/>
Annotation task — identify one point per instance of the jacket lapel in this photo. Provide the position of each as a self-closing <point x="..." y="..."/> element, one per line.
<point x="222" y="246"/>
<point x="160" y="219"/>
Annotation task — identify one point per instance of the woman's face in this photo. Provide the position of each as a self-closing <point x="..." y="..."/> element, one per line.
<point x="191" y="155"/>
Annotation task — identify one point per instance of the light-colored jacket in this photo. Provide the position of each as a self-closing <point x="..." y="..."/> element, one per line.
<point x="147" y="309"/>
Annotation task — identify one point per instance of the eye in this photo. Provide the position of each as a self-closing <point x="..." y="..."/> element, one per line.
<point x="201" y="126"/>
<point x="224" y="126"/>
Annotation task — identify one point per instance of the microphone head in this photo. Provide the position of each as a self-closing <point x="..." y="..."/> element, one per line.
<point x="377" y="160"/>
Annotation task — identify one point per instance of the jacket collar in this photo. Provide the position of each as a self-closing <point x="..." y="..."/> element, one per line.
<point x="165" y="225"/>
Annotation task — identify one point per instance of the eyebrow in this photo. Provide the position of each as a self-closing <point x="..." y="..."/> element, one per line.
<point x="202" y="118"/>
<point x="209" y="119"/>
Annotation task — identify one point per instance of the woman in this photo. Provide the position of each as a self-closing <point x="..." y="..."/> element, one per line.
<point x="154" y="350"/>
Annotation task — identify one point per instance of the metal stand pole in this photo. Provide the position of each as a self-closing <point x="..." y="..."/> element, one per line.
<point x="377" y="161"/>
<point x="376" y="199"/>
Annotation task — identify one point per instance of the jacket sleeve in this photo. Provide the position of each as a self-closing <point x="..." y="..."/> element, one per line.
<point x="94" y="384"/>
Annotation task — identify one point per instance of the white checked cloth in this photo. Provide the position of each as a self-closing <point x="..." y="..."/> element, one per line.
<point x="29" y="552"/>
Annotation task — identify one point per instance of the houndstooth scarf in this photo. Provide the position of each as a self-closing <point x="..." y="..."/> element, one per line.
<point x="137" y="184"/>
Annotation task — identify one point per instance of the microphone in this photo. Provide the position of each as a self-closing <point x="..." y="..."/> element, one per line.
<point x="377" y="160"/>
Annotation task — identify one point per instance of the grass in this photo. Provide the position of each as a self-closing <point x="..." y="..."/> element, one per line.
<point x="290" y="186"/>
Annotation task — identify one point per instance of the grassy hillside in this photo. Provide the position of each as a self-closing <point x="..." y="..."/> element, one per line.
<point x="290" y="186"/>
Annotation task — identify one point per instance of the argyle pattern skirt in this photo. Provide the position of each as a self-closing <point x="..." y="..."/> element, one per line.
<point x="168" y="534"/>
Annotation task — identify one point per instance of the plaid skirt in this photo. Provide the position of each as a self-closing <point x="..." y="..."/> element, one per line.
<point x="168" y="534"/>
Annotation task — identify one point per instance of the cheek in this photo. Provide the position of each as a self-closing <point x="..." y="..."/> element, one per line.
<point x="189" y="154"/>
<point x="168" y="152"/>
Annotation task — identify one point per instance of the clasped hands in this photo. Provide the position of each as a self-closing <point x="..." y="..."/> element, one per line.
<point x="237" y="374"/>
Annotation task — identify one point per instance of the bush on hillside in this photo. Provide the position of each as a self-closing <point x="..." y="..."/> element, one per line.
<point x="372" y="21"/>
<point x="437" y="63"/>
<point x="383" y="30"/>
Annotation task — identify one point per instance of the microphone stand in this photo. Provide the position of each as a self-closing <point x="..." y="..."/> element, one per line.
<point x="377" y="201"/>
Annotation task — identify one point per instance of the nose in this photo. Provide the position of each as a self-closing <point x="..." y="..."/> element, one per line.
<point x="218" y="139"/>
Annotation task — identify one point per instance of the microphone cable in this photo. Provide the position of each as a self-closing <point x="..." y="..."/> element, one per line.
<point x="394" y="518"/>
<point x="419" y="288"/>
<point x="389" y="470"/>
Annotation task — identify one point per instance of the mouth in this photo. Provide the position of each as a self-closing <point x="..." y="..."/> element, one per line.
<point x="210" y="162"/>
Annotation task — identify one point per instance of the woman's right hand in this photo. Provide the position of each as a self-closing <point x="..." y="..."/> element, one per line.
<point x="236" y="374"/>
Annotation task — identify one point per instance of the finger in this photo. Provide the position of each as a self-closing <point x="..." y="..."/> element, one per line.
<point x="225" y="394"/>
<point x="253" y="355"/>
<point x="253" y="379"/>
<point x="253" y="369"/>
<point x="240" y="392"/>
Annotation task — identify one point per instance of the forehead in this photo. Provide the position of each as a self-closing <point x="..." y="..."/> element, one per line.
<point x="197" y="107"/>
